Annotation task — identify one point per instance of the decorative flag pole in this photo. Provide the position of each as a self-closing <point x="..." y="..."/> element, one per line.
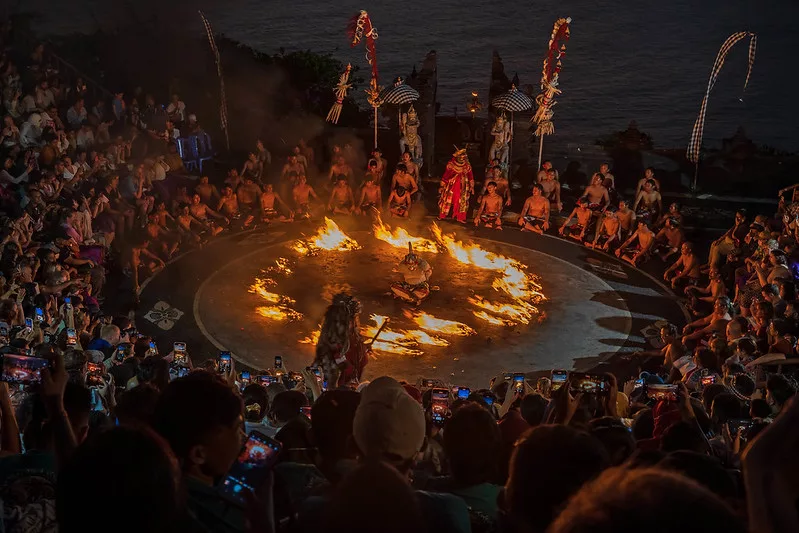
<point x="222" y="97"/>
<point x="549" y="82"/>
<point x="699" y="126"/>
<point x="341" y="93"/>
<point x="359" y="27"/>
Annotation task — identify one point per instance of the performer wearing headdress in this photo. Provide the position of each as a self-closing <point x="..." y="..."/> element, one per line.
<point x="341" y="351"/>
<point x="416" y="273"/>
<point x="457" y="186"/>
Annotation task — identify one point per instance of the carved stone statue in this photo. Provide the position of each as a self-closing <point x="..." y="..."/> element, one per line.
<point x="410" y="139"/>
<point x="501" y="145"/>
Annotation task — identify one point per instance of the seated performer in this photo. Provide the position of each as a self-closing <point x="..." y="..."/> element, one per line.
<point x="626" y="218"/>
<point x="535" y="213"/>
<point x="582" y="212"/>
<point x="303" y="193"/>
<point x="269" y="210"/>
<point x="340" y="350"/>
<point x="416" y="273"/>
<point x="399" y="203"/>
<point x="341" y="198"/>
<point x="597" y="194"/>
<point x="489" y="213"/>
<point x="648" y="204"/>
<point x="637" y="254"/>
<point x="668" y="240"/>
<point x="608" y="232"/>
<point x="370" y="201"/>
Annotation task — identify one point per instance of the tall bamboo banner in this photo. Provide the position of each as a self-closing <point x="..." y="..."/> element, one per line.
<point x="222" y="97"/>
<point x="699" y="126"/>
<point x="360" y="27"/>
<point x="561" y="32"/>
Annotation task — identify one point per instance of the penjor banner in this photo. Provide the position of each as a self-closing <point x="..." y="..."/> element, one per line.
<point x="699" y="126"/>
<point x="222" y="98"/>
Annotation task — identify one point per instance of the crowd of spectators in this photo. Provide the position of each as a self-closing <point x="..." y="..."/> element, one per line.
<point x="109" y="433"/>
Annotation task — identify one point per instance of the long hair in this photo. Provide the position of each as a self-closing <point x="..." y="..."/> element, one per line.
<point x="334" y="338"/>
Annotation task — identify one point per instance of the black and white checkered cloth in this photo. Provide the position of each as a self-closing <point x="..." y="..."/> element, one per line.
<point x="699" y="125"/>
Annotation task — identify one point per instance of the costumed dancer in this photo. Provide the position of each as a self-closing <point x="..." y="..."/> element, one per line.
<point x="416" y="273"/>
<point x="457" y="186"/>
<point x="341" y="351"/>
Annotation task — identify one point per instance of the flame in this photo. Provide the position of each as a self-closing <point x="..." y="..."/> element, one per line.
<point x="399" y="342"/>
<point x="388" y="347"/>
<point x="329" y="237"/>
<point x="259" y="288"/>
<point x="428" y="322"/>
<point x="279" y="313"/>
<point x="399" y="238"/>
<point x="313" y="337"/>
<point x="282" y="266"/>
<point x="522" y="287"/>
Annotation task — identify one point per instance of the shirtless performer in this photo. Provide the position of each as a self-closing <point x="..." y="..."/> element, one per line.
<point x="399" y="202"/>
<point x="608" y="232"/>
<point x="489" y="212"/>
<point x="163" y="243"/>
<point x="269" y="210"/>
<point x="626" y="218"/>
<point x="674" y="212"/>
<point x="410" y="167"/>
<point x="416" y="272"/>
<point x="686" y="269"/>
<point x="229" y="204"/>
<point x="535" y="213"/>
<point x="302" y="194"/>
<point x="208" y="193"/>
<point x="371" y="172"/>
<point x="339" y="168"/>
<point x="648" y="204"/>
<point x="341" y="199"/>
<point x="638" y="253"/>
<point x="668" y="240"/>
<point x="233" y="179"/>
<point x="207" y="216"/>
<point x="292" y="165"/>
<point x="371" y="198"/>
<point x="597" y="194"/>
<point x="701" y="299"/>
<point x="649" y="174"/>
<point x="192" y="230"/>
<point x="404" y="179"/>
<point x="381" y="167"/>
<point x="140" y="257"/>
<point x="546" y="166"/>
<point x="551" y="189"/>
<point x="583" y="215"/>
<point x="608" y="179"/>
<point x="503" y="189"/>
<point x="248" y="194"/>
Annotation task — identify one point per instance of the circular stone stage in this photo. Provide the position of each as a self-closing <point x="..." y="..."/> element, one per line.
<point x="595" y="306"/>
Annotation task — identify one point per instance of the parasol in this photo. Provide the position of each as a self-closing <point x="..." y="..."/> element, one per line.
<point x="398" y="94"/>
<point x="513" y="101"/>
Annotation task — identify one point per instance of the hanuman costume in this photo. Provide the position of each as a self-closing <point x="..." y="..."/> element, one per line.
<point x="457" y="186"/>
<point x="341" y="351"/>
<point x="416" y="272"/>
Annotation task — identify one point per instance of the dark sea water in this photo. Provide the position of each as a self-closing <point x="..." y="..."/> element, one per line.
<point x="642" y="60"/>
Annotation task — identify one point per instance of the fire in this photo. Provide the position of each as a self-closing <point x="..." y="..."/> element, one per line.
<point x="522" y="287"/>
<point x="329" y="237"/>
<point x="282" y="266"/>
<point x="313" y="337"/>
<point x="260" y="288"/>
<point x="399" y="342"/>
<point x="428" y="322"/>
<point x="399" y="238"/>
<point x="279" y="313"/>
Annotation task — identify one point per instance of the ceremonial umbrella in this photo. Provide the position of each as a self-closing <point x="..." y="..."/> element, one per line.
<point x="513" y="101"/>
<point x="398" y="94"/>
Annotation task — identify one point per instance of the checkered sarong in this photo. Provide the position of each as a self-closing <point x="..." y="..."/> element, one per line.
<point x="699" y="126"/>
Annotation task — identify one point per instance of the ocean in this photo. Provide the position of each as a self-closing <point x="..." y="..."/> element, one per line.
<point x="643" y="60"/>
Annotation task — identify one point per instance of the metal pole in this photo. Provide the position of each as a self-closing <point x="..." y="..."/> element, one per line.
<point x="510" y="148"/>
<point x="540" y="149"/>
<point x="696" y="175"/>
<point x="375" y="128"/>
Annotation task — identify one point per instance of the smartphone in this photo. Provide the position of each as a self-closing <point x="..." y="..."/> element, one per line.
<point x="464" y="392"/>
<point x="439" y="402"/>
<point x="67" y="303"/>
<point x="72" y="337"/>
<point x="244" y="378"/>
<point x="558" y="378"/>
<point x="183" y="371"/>
<point x="4" y="335"/>
<point x="278" y="363"/>
<point x="267" y="380"/>
<point x="660" y="392"/>
<point x="587" y="383"/>
<point x="179" y="357"/>
<point x="179" y="347"/>
<point x="256" y="459"/>
<point x="306" y="411"/>
<point x="21" y="369"/>
<point x="518" y="382"/>
<point x="707" y="380"/>
<point x="39" y="314"/>
<point x="489" y="400"/>
<point x="223" y="363"/>
<point x="739" y="423"/>
<point x="28" y="324"/>
<point x="153" y="348"/>
<point x="507" y="376"/>
<point x="119" y="354"/>
<point x="94" y="376"/>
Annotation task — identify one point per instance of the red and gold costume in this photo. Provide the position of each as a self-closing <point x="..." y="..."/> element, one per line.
<point x="340" y="351"/>
<point x="457" y="186"/>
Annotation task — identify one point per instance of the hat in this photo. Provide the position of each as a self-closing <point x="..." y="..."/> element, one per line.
<point x="388" y="421"/>
<point x="95" y="356"/>
<point x="413" y="392"/>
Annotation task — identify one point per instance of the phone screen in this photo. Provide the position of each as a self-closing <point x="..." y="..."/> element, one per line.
<point x="22" y="369"/>
<point x="68" y="302"/>
<point x="224" y="362"/>
<point x="266" y="379"/>
<point x="245" y="377"/>
<point x="3" y="335"/>
<point x="179" y="347"/>
<point x="94" y="376"/>
<point x="736" y="424"/>
<point x="464" y="392"/>
<point x="587" y="383"/>
<point x="708" y="380"/>
<point x="518" y="382"/>
<point x="120" y="353"/>
<point x="278" y="363"/>
<point x="662" y="392"/>
<point x="249" y="471"/>
<point x="39" y="314"/>
<point x="153" y="348"/>
<point x="558" y="378"/>
<point x="306" y="411"/>
<point x="72" y="337"/>
<point x="29" y="324"/>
